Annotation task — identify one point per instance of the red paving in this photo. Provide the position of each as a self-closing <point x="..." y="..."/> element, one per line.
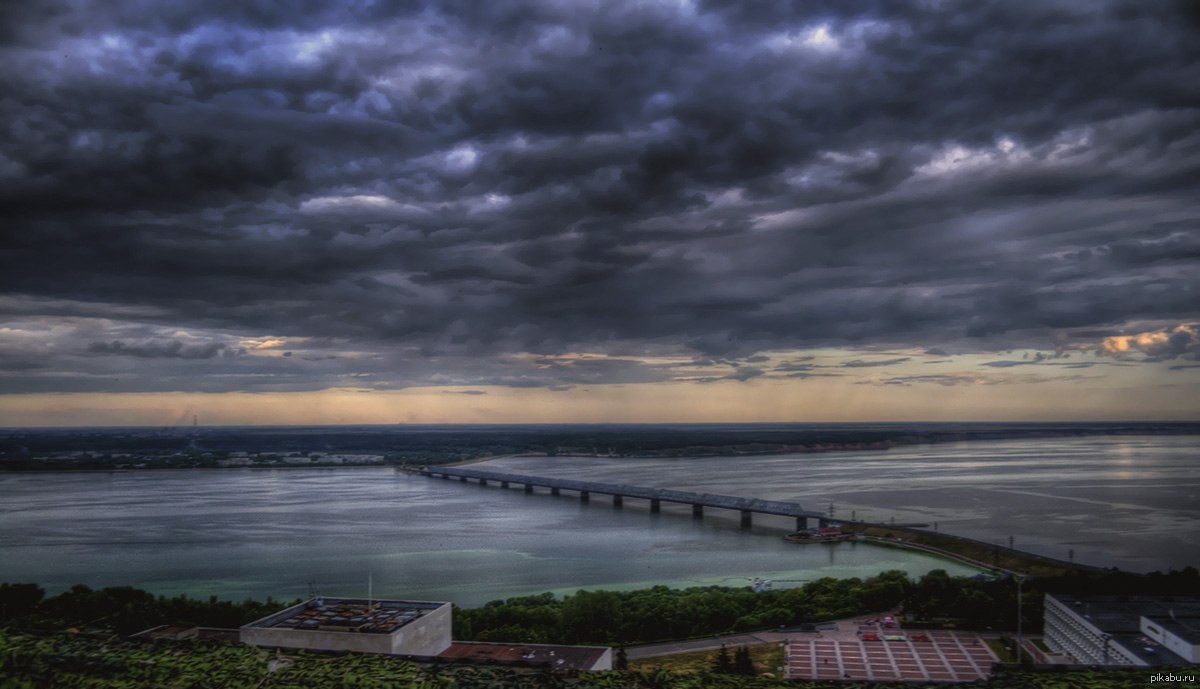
<point x="945" y="656"/>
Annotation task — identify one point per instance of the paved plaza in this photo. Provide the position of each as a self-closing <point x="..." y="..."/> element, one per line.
<point x="869" y="652"/>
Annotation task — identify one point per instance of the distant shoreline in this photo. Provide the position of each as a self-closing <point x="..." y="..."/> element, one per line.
<point x="275" y="448"/>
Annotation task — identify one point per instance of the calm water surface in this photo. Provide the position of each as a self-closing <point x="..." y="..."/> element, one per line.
<point x="1126" y="501"/>
<point x="239" y="533"/>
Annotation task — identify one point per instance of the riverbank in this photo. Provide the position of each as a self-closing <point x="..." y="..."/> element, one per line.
<point x="968" y="551"/>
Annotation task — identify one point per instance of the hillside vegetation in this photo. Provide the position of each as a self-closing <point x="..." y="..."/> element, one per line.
<point x="66" y="661"/>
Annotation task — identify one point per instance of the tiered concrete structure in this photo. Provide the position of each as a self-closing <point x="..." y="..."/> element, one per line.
<point x="1125" y="630"/>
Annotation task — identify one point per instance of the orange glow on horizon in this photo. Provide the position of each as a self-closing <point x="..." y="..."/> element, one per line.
<point x="814" y="400"/>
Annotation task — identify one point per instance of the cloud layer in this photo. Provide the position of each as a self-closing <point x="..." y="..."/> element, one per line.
<point x="212" y="196"/>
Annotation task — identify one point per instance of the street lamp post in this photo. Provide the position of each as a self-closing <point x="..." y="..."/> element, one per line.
<point x="1020" y="647"/>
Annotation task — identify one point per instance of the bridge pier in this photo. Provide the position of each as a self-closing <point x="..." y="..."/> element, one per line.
<point x="745" y="507"/>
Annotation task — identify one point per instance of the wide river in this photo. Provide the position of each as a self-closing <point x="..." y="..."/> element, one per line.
<point x="1125" y="501"/>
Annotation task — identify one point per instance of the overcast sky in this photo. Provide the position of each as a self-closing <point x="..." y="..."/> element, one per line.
<point x="306" y="212"/>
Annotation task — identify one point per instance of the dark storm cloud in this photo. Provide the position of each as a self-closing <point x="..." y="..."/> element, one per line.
<point x="1034" y="359"/>
<point x="968" y="379"/>
<point x="859" y="363"/>
<point x="416" y="193"/>
<point x="744" y="373"/>
<point x="173" y="349"/>
<point x="20" y="365"/>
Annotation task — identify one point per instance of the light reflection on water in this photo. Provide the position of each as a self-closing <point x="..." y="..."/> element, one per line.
<point x="239" y="533"/>
<point x="1126" y="501"/>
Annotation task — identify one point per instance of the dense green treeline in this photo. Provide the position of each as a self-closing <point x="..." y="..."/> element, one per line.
<point x="627" y="617"/>
<point x="120" y="609"/>
<point x="659" y="613"/>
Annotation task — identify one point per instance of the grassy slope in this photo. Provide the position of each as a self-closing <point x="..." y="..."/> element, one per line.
<point x="766" y="658"/>
<point x="81" y="663"/>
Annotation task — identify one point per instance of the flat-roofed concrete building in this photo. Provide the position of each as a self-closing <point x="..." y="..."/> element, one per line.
<point x="393" y="627"/>
<point x="1124" y="630"/>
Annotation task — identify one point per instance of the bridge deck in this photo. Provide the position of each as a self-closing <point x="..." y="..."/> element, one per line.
<point x="729" y="502"/>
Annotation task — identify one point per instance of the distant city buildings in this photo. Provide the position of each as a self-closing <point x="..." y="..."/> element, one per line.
<point x="245" y="459"/>
<point x="1124" y="630"/>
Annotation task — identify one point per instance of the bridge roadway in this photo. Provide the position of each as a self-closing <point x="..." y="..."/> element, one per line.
<point x="618" y="491"/>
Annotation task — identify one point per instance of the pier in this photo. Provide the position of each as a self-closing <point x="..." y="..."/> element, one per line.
<point x="747" y="507"/>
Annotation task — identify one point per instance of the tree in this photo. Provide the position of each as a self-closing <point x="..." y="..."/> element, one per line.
<point x="722" y="664"/>
<point x="742" y="665"/>
<point x="590" y="616"/>
<point x="622" y="659"/>
<point x="17" y="600"/>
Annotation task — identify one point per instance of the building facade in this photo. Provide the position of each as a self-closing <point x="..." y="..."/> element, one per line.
<point x="413" y="628"/>
<point x="1123" y="630"/>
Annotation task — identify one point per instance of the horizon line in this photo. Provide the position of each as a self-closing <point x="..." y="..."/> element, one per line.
<point x="403" y="424"/>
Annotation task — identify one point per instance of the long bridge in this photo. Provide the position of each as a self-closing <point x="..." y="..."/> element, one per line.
<point x="746" y="506"/>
